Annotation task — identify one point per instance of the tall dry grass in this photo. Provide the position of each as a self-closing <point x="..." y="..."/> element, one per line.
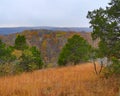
<point x="79" y="80"/>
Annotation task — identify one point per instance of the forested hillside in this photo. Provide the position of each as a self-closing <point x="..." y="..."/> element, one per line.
<point x="49" y="42"/>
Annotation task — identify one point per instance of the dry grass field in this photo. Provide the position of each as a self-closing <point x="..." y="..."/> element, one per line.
<point x="79" y="80"/>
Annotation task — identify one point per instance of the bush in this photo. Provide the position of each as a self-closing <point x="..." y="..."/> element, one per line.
<point x="31" y="59"/>
<point x="113" y="69"/>
<point x="7" y="69"/>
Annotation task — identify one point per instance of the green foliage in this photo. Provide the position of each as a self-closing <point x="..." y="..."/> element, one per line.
<point x="37" y="57"/>
<point x="112" y="69"/>
<point x="99" y="52"/>
<point x="31" y="59"/>
<point x="75" y="51"/>
<point x="115" y="67"/>
<point x="105" y="24"/>
<point x="5" y="53"/>
<point x="20" y="42"/>
<point x="6" y="58"/>
<point x="106" y="27"/>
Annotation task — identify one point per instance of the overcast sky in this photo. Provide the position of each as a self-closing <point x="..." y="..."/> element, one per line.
<point x="59" y="13"/>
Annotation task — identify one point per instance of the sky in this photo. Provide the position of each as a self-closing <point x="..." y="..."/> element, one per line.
<point x="56" y="13"/>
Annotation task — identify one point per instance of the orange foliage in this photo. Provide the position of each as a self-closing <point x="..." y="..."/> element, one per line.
<point x="47" y="35"/>
<point x="44" y="45"/>
<point x="79" y="80"/>
<point x="34" y="33"/>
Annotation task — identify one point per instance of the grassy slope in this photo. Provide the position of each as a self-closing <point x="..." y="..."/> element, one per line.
<point x="77" y="80"/>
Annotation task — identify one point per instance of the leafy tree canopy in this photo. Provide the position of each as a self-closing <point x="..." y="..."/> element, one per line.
<point x="75" y="51"/>
<point x="106" y="27"/>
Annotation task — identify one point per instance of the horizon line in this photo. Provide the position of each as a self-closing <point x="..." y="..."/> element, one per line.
<point x="45" y="26"/>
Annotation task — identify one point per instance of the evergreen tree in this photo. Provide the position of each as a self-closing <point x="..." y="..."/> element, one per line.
<point x="20" y="42"/>
<point x="75" y="51"/>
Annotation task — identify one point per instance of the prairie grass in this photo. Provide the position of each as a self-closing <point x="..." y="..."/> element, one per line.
<point x="79" y="80"/>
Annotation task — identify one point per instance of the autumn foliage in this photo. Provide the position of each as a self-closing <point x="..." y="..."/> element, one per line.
<point x="50" y="43"/>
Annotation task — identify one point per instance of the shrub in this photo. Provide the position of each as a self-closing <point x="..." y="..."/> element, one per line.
<point x="31" y="59"/>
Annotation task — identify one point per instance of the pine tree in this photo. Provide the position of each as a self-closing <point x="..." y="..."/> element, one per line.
<point x="75" y="51"/>
<point x="20" y="42"/>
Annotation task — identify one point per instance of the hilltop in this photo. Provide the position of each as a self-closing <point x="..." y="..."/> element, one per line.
<point x="11" y="30"/>
<point x="79" y="80"/>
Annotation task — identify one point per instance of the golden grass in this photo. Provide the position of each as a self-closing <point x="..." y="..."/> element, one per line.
<point x="77" y="80"/>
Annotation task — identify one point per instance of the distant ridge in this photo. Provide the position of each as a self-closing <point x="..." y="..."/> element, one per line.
<point x="10" y="30"/>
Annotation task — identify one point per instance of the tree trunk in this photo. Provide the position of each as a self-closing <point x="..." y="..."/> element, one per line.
<point x="101" y="67"/>
<point x="95" y="68"/>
